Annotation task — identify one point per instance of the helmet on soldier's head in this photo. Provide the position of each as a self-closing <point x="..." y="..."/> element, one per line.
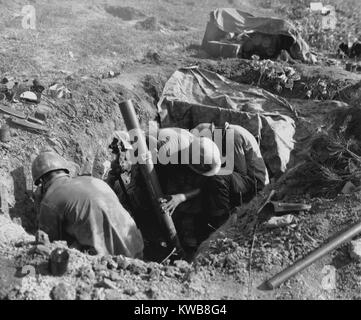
<point x="205" y="158"/>
<point x="46" y="162"/>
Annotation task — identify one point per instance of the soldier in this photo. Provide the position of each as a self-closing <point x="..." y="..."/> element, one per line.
<point x="244" y="172"/>
<point x="84" y="211"/>
<point x="181" y="178"/>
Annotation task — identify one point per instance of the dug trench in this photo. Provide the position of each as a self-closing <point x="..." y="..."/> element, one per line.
<point x="232" y="264"/>
<point x="79" y="129"/>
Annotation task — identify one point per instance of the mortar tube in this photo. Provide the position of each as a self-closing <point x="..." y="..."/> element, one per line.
<point x="301" y="264"/>
<point x="150" y="176"/>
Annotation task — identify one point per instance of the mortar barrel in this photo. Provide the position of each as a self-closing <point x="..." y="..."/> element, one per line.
<point x="149" y="174"/>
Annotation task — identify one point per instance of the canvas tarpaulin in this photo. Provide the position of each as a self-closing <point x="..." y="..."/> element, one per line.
<point x="228" y="20"/>
<point x="193" y="96"/>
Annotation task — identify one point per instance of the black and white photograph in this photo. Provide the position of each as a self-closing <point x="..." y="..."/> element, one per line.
<point x="180" y="157"/>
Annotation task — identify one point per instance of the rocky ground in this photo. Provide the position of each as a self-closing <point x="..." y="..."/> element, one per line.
<point x="106" y="51"/>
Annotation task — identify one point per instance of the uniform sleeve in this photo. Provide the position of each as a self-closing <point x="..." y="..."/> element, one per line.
<point x="248" y="159"/>
<point x="257" y="166"/>
<point x="261" y="172"/>
<point x="240" y="161"/>
<point x="50" y="222"/>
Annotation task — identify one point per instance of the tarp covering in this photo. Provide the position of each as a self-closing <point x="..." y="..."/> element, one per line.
<point x="193" y="96"/>
<point x="229" y="20"/>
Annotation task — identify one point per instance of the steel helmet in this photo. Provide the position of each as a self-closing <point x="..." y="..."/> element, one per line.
<point x="205" y="158"/>
<point x="172" y="141"/>
<point x="46" y="162"/>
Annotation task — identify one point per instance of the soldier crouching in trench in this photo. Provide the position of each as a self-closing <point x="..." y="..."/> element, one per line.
<point x="200" y="197"/>
<point x="242" y="176"/>
<point x="84" y="211"/>
<point x="181" y="181"/>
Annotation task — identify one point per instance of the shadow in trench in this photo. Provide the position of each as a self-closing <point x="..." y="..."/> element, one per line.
<point x="24" y="205"/>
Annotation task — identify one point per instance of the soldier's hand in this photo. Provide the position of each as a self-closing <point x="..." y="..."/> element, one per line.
<point x="169" y="206"/>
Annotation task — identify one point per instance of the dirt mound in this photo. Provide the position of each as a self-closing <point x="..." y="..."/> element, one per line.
<point x="314" y="82"/>
<point x="233" y="264"/>
<point x="125" y="13"/>
<point x="11" y="232"/>
<point x="250" y="251"/>
<point x="90" y="277"/>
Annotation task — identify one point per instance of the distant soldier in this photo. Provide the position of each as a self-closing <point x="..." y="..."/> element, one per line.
<point x="84" y="211"/>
